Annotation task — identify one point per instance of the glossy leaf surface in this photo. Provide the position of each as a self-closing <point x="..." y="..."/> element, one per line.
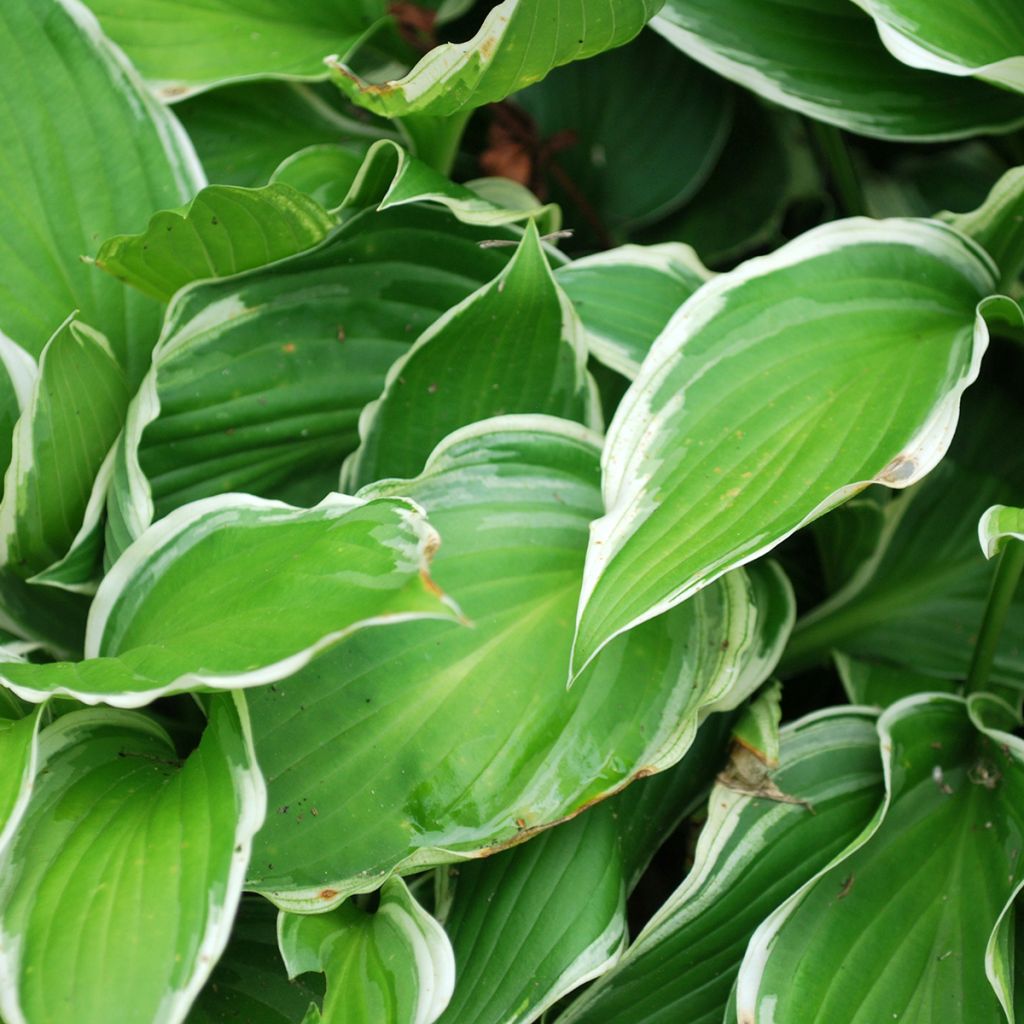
<point x="513" y="346"/>
<point x="1000" y="525"/>
<point x="955" y="39"/>
<point x="182" y="49"/>
<point x="223" y="231"/>
<point x="753" y="852"/>
<point x="519" y="42"/>
<point x="395" y="964"/>
<point x="483" y="712"/>
<point x="945" y="853"/>
<point x="138" y="854"/>
<point x="757" y="410"/>
<point x="259" y="382"/>
<point x="90" y="152"/>
<point x="824" y="59"/>
<point x="238" y="591"/>
<point x="626" y="296"/>
<point x="18" y="755"/>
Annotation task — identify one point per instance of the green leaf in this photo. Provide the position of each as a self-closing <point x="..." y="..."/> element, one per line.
<point x="182" y="50"/>
<point x="998" y="225"/>
<point x="626" y="296"/>
<point x="555" y="908"/>
<point x="513" y="346"/>
<point x="939" y="855"/>
<point x="138" y="855"/>
<point x="395" y="964"/>
<point x="238" y="591"/>
<point x="71" y="420"/>
<point x="490" y="752"/>
<point x="755" y="849"/>
<point x="249" y="984"/>
<point x="742" y="208"/>
<point x="18" y="372"/>
<point x="389" y="177"/>
<point x="259" y="381"/>
<point x="605" y="111"/>
<point x="755" y="412"/>
<point x="19" y="753"/>
<point x="532" y="923"/>
<point x="825" y="60"/>
<point x="915" y="600"/>
<point x="758" y="728"/>
<point x="323" y="172"/>
<point x="223" y="231"/>
<point x="85" y="150"/>
<point x="953" y="39"/>
<point x="243" y="132"/>
<point x="998" y="525"/>
<point x="519" y="42"/>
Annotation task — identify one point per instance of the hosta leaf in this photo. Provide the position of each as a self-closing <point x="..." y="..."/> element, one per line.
<point x="389" y="177"/>
<point x="532" y="923"/>
<point x="238" y="591"/>
<point x="324" y="172"/>
<point x="243" y="132"/>
<point x="913" y="605"/>
<point x="182" y="49"/>
<point x="259" y="381"/>
<point x="626" y="296"/>
<point x="742" y="208"/>
<point x="519" y="42"/>
<point x="955" y="39"/>
<point x="483" y="713"/>
<point x="944" y="854"/>
<point x="777" y="391"/>
<point x="73" y="416"/>
<point x="754" y="850"/>
<point x="999" y="525"/>
<point x="514" y="346"/>
<point x="605" y="111"/>
<point x="224" y="230"/>
<point x="880" y="684"/>
<point x="19" y="741"/>
<point x="18" y="372"/>
<point x="85" y="151"/>
<point x="395" y="964"/>
<point x="138" y="855"/>
<point x="998" y="225"/>
<point x="249" y="985"/>
<point x="824" y="59"/>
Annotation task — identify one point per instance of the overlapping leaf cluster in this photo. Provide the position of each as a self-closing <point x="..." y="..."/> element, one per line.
<point x="387" y="573"/>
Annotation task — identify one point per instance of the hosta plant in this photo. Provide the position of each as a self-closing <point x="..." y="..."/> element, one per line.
<point x="512" y="512"/>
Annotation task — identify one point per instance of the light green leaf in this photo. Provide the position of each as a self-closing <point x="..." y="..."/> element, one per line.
<point x="824" y="59"/>
<point x="394" y="965"/>
<point x="391" y="177"/>
<point x="324" y="172"/>
<point x="532" y="923"/>
<point x="492" y="746"/>
<point x="998" y="225"/>
<point x="754" y="850"/>
<point x="243" y="132"/>
<point x="182" y="49"/>
<point x="513" y="346"/>
<point x="758" y="727"/>
<point x="239" y="591"/>
<point x="986" y="40"/>
<point x="776" y="392"/>
<point x="626" y="296"/>
<point x="519" y="42"/>
<point x="18" y="372"/>
<point x="249" y="984"/>
<point x="606" y="111"/>
<point x="943" y="853"/>
<point x="84" y="150"/>
<point x="139" y="857"/>
<point x="19" y="752"/>
<point x="223" y="231"/>
<point x="913" y="604"/>
<point x="998" y="525"/>
<point x="258" y="383"/>
<point x="72" y="418"/>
